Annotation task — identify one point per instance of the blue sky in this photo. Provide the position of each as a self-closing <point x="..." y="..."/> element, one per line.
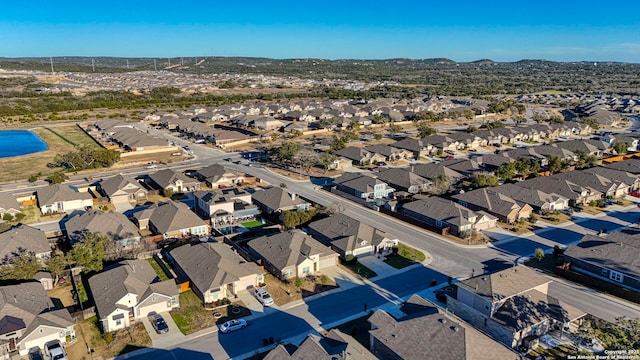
<point x="461" y="30"/>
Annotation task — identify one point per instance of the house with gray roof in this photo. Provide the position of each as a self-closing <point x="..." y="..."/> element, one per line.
<point x="129" y="291"/>
<point x="170" y="219"/>
<point x="361" y="156"/>
<point x="424" y="331"/>
<point x="122" y="188"/>
<point x="511" y="305"/>
<point x="402" y="179"/>
<point x="495" y="203"/>
<point x="292" y="254"/>
<point x="334" y="345"/>
<point x="348" y="236"/>
<point x="9" y="205"/>
<point x="29" y="318"/>
<point x="175" y="181"/>
<point x="631" y="166"/>
<point x="24" y="238"/>
<point x="390" y="152"/>
<point x="447" y="216"/>
<point x="576" y="194"/>
<point x="540" y="201"/>
<point x="114" y="225"/>
<point x="214" y="270"/>
<point x="274" y="200"/>
<point x="613" y="258"/>
<point x="419" y="148"/>
<point x="363" y="186"/>
<point x="60" y="198"/>
<point x="225" y="206"/>
<point x="216" y="176"/>
<point x="626" y="181"/>
<point x="596" y="183"/>
<point x="433" y="171"/>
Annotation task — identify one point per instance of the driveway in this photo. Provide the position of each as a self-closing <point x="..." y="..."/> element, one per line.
<point x="378" y="265"/>
<point x="173" y="337"/>
<point x="122" y="206"/>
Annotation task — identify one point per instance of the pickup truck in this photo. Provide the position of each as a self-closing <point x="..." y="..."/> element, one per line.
<point x="54" y="351"/>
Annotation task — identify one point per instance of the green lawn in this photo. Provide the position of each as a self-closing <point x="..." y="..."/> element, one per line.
<point x="406" y="256"/>
<point x="161" y="274"/>
<point x="252" y="224"/>
<point x="189" y="316"/>
<point x="359" y="269"/>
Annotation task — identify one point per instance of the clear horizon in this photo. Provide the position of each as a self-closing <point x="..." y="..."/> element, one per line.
<point x="501" y="31"/>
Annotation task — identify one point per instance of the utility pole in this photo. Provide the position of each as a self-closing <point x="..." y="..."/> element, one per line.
<point x="51" y="60"/>
<point x="127" y="64"/>
<point x="93" y="65"/>
<point x="155" y="65"/>
<point x="181" y="61"/>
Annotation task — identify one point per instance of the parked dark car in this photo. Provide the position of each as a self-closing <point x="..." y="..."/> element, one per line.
<point x="158" y="323"/>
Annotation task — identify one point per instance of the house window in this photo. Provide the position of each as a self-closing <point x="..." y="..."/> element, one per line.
<point x="288" y="272"/>
<point x="616" y="276"/>
<point x="174" y="300"/>
<point x="118" y="322"/>
<point x="439" y="223"/>
<point x="605" y="272"/>
<point x="306" y="270"/>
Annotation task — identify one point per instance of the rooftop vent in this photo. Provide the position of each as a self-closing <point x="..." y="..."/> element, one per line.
<point x="442" y="320"/>
<point x="455" y="328"/>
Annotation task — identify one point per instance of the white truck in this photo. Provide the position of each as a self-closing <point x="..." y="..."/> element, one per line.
<point x="53" y="350"/>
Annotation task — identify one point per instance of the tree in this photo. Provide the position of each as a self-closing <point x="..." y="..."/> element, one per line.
<point x="89" y="252"/>
<point x="307" y="159"/>
<point x="539" y="254"/>
<point x="294" y="218"/>
<point x="20" y="265"/>
<point x="377" y="136"/>
<point x="471" y="129"/>
<point x="394" y="128"/>
<point x="7" y="217"/>
<point x="554" y="164"/>
<point x="620" y="147"/>
<point x="425" y="130"/>
<point x="33" y="178"/>
<point x="355" y="126"/>
<point x="287" y="151"/>
<point x="326" y="159"/>
<point x="624" y="334"/>
<point x="441" y="184"/>
<point x="484" y="180"/>
<point x="56" y="265"/>
<point x="506" y="171"/>
<point x="168" y="192"/>
<point x="58" y="177"/>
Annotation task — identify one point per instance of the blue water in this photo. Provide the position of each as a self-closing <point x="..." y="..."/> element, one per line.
<point x="19" y="142"/>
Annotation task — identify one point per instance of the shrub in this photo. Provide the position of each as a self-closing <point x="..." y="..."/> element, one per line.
<point x="298" y="282"/>
<point x="7" y="217"/>
<point x="533" y="219"/>
<point x="107" y="337"/>
<point x="349" y="259"/>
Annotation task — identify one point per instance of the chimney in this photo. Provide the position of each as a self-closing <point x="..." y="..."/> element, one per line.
<point x="293" y="196"/>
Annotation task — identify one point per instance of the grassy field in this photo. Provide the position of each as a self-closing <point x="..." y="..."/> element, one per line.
<point x="406" y="256"/>
<point x="358" y="269"/>
<point x="252" y="224"/>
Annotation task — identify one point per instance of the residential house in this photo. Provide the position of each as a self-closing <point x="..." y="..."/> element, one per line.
<point x="631" y="166"/>
<point x="576" y="194"/>
<point x="122" y="188"/>
<point x="24" y="238"/>
<point x="361" y="156"/>
<point x="625" y="181"/>
<point x="402" y="179"/>
<point x="275" y="200"/>
<point x="59" y="198"/>
<point x="292" y="254"/>
<point x="511" y="305"/>
<point x="436" y="172"/>
<point x="339" y="164"/>
<point x="169" y="180"/>
<point x="170" y="219"/>
<point x="613" y="258"/>
<point x="589" y="147"/>
<point x="348" y="236"/>
<point x="447" y="216"/>
<point x="426" y="332"/>
<point x="419" y="148"/>
<point x="540" y="201"/>
<point x="217" y="176"/>
<point x="129" y="291"/>
<point x="495" y="203"/>
<point x="9" y="205"/>
<point x="334" y="345"/>
<point x="114" y="225"/>
<point x="363" y="186"/>
<point x="225" y="206"/>
<point x="442" y="143"/>
<point x="390" y="152"/>
<point x="596" y="182"/>
<point x="214" y="270"/>
<point x="29" y="319"/>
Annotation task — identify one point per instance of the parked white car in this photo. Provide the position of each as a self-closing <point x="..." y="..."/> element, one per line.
<point x="233" y="325"/>
<point x="54" y="351"/>
<point x="264" y="297"/>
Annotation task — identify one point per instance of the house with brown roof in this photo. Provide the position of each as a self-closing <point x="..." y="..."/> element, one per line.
<point x="113" y="225"/>
<point x="360" y="156"/>
<point x="9" y="205"/>
<point x="426" y="332"/>
<point x="495" y="203"/>
<point x="348" y="236"/>
<point x="447" y="216"/>
<point x="122" y="188"/>
<point x="511" y="305"/>
<point x="274" y="200"/>
<point x="59" y="198"/>
<point x="402" y="179"/>
<point x="613" y="258"/>
<point x="419" y="148"/>
<point x="214" y="270"/>
<point x="129" y="291"/>
<point x="217" y="176"/>
<point x="292" y="254"/>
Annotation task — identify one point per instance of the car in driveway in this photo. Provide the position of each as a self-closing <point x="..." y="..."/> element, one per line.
<point x="54" y="351"/>
<point x="233" y="325"/>
<point x="264" y="297"/>
<point x="35" y="354"/>
<point x="158" y="323"/>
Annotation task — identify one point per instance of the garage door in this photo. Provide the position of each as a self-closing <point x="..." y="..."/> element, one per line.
<point x="327" y="261"/>
<point x="362" y="251"/>
<point x="245" y="283"/>
<point x="157" y="306"/>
